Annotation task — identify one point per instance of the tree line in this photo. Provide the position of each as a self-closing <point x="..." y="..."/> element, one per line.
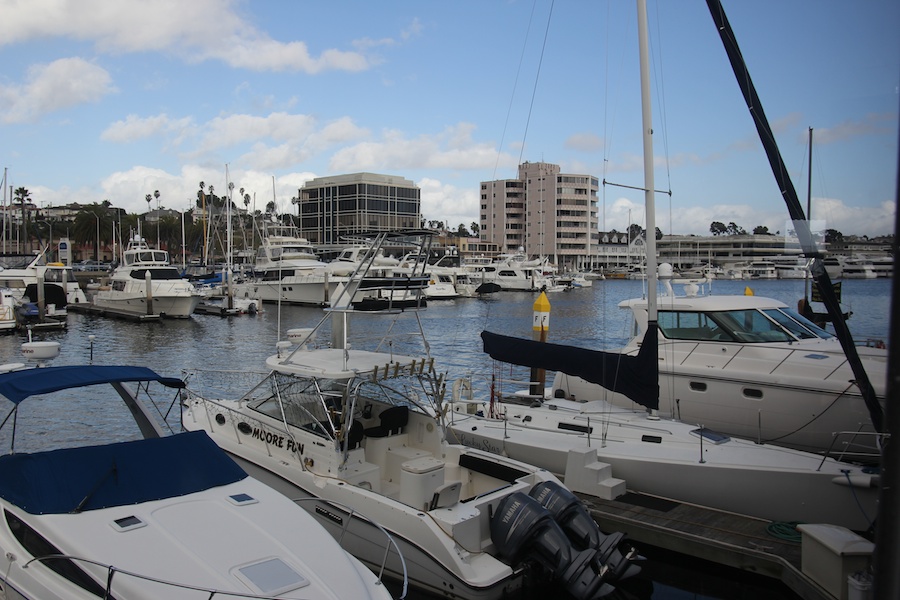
<point x="100" y="224"/>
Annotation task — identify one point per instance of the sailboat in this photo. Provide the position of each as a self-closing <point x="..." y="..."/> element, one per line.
<point x="580" y="438"/>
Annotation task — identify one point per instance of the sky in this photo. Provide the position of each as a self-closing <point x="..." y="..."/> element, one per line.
<point x="105" y="100"/>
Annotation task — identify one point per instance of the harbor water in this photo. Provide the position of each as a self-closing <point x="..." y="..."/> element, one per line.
<point x="587" y="317"/>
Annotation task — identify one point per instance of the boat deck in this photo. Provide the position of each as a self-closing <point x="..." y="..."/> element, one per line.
<point x="724" y="538"/>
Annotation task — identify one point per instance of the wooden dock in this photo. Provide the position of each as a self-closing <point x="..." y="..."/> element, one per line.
<point x="90" y="309"/>
<point x="217" y="309"/>
<point x="724" y="538"/>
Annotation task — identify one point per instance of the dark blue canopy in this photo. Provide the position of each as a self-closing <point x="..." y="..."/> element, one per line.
<point x="18" y="385"/>
<point x="121" y="474"/>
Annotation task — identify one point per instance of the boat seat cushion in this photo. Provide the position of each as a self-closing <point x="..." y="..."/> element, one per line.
<point x="393" y="420"/>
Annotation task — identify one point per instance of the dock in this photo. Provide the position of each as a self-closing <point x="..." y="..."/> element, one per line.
<point x="720" y="537"/>
<point x="90" y="309"/>
<point x="217" y="309"/>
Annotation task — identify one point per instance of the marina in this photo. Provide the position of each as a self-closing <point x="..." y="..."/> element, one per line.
<point x="587" y="317"/>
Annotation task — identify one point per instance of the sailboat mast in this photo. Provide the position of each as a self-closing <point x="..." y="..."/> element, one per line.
<point x="647" y="122"/>
<point x="808" y="212"/>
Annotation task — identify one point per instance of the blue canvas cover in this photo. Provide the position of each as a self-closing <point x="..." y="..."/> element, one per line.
<point x="18" y="385"/>
<point x="120" y="474"/>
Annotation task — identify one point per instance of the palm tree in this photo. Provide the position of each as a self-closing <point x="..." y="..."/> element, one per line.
<point x="93" y="225"/>
<point x="22" y="196"/>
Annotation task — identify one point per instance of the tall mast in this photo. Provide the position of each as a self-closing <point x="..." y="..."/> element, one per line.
<point x="647" y="122"/>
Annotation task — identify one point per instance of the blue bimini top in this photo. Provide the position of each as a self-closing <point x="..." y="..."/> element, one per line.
<point x="92" y="477"/>
<point x="18" y="385"/>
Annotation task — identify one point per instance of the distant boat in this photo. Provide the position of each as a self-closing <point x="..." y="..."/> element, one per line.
<point x="859" y="268"/>
<point x="147" y="284"/>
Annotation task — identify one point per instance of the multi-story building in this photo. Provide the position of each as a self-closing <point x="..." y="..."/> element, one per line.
<point x="544" y="213"/>
<point x="332" y="207"/>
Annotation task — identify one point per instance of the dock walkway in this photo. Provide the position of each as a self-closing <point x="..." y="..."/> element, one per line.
<point x="721" y="537"/>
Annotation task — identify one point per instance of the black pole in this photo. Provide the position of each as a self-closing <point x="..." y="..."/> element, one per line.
<point x="801" y="224"/>
<point x="887" y="536"/>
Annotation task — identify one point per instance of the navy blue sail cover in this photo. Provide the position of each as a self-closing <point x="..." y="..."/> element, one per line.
<point x="121" y="474"/>
<point x="636" y="377"/>
<point x="18" y="385"/>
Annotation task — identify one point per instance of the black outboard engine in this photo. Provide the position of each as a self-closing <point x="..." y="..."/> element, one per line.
<point x="522" y="529"/>
<point x="581" y="529"/>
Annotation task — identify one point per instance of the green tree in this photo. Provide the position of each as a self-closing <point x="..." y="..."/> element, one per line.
<point x="735" y="229"/>
<point x="476" y="228"/>
<point x="635" y="231"/>
<point x="93" y="225"/>
<point x="461" y="231"/>
<point x="717" y="228"/>
<point x="761" y="230"/>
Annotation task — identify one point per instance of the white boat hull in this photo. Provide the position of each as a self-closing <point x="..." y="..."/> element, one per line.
<point x="433" y="559"/>
<point x="661" y="457"/>
<point x="175" y="307"/>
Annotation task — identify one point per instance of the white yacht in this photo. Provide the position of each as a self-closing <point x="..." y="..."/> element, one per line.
<point x="145" y="283"/>
<point x="752" y="367"/>
<point x="358" y="429"/>
<point x="286" y="269"/>
<point x="859" y="268"/>
<point x="163" y="516"/>
<point x="21" y="273"/>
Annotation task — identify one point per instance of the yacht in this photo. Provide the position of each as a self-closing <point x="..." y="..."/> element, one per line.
<point x="163" y="516"/>
<point x="357" y="428"/>
<point x="859" y="268"/>
<point x="145" y="283"/>
<point x="21" y="273"/>
<point x="286" y="269"/>
<point x="752" y="367"/>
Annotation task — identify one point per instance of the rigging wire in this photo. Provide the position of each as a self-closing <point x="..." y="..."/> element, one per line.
<point x="515" y="86"/>
<point x="537" y="77"/>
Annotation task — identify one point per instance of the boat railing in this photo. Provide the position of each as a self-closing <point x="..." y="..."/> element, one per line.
<point x="390" y="544"/>
<point x="112" y="571"/>
<point x="866" y="446"/>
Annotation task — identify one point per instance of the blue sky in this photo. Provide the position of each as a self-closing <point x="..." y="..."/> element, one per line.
<point x="113" y="100"/>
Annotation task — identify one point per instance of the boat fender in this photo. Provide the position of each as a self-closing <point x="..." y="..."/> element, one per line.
<point x="858" y="480"/>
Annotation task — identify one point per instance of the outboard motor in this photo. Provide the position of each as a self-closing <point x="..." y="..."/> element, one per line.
<point x="522" y="529"/>
<point x="584" y="533"/>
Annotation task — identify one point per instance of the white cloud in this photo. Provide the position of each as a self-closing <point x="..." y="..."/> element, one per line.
<point x="61" y="84"/>
<point x="448" y="203"/>
<point x="452" y="148"/>
<point x="134" y="128"/>
<point x="198" y="30"/>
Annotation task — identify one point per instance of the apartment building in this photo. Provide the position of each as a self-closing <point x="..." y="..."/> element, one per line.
<point x="332" y="207"/>
<point x="543" y="212"/>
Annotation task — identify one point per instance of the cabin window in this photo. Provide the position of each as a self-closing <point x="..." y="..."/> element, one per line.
<point x="800" y="326"/>
<point x="750" y="326"/>
<point x="38" y="547"/>
<point x="690" y="325"/>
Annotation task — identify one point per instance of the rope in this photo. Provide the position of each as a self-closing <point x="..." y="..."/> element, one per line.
<point x="784" y="530"/>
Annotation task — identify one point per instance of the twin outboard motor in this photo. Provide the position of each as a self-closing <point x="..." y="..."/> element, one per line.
<point x="584" y="533"/>
<point x="574" y="553"/>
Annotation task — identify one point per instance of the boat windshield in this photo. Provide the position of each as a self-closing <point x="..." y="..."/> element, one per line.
<point x="157" y="274"/>
<point x="747" y="326"/>
<point x="303" y="405"/>
<point x="797" y="324"/>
